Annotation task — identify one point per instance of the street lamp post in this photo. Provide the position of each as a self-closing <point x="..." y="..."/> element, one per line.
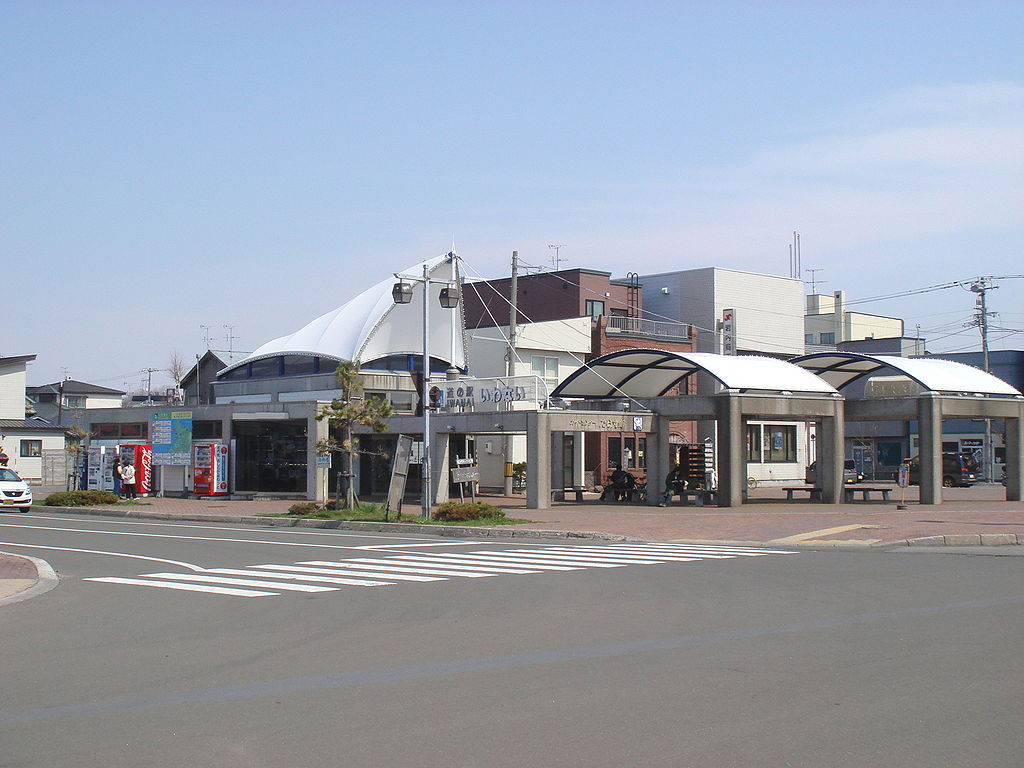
<point x="449" y="299"/>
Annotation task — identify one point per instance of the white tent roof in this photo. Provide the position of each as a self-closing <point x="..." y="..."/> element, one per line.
<point x="371" y="325"/>
<point x="843" y="368"/>
<point x="652" y="372"/>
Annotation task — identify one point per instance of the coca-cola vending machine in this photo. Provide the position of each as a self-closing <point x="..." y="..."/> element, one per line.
<point x="141" y="456"/>
<point x="210" y="469"/>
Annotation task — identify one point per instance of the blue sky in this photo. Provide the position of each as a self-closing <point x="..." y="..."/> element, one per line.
<point x="169" y="165"/>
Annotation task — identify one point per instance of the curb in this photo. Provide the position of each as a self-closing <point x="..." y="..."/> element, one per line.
<point x="967" y="540"/>
<point x="46" y="580"/>
<point x="453" y="531"/>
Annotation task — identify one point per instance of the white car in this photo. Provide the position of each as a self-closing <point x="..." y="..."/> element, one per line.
<point x="14" y="492"/>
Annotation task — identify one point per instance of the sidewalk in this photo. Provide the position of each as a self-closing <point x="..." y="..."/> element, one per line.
<point x="970" y="516"/>
<point x="16" y="575"/>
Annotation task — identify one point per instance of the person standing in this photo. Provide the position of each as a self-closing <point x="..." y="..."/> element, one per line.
<point x="128" y="479"/>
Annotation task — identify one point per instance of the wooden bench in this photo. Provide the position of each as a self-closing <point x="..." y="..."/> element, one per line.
<point x="700" y="497"/>
<point x="813" y="491"/>
<point x="865" y="492"/>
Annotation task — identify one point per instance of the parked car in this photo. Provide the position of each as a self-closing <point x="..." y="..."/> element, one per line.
<point x="850" y="473"/>
<point x="959" y="470"/>
<point x="14" y="492"/>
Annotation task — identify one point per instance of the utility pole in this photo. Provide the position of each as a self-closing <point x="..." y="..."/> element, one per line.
<point x="981" y="286"/>
<point x="149" y="384"/>
<point x="510" y="354"/>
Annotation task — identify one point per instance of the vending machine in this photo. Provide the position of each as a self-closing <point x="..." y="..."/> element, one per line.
<point x="210" y="469"/>
<point x="141" y="456"/>
<point x="99" y="472"/>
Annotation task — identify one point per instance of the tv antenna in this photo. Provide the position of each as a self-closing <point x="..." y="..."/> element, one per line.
<point x="814" y="281"/>
<point x="206" y="335"/>
<point x="229" y="337"/>
<point x="556" y="260"/>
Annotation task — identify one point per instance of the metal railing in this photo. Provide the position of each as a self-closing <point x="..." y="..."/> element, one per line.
<point x="648" y="327"/>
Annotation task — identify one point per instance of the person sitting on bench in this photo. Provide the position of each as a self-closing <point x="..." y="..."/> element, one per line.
<point x="620" y="486"/>
<point x="674" y="483"/>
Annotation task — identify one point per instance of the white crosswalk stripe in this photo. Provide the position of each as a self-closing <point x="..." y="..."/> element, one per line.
<point x="426" y="562"/>
<point x="184" y="587"/>
<point x="349" y="577"/>
<point x="418" y="566"/>
<point x="390" y="570"/>
<point x="203" y="578"/>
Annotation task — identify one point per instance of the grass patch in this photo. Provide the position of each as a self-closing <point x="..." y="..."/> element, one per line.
<point x="374" y="513"/>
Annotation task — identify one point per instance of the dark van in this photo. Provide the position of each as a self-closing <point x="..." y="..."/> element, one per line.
<point x="959" y="470"/>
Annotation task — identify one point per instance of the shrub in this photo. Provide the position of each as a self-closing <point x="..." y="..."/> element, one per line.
<point x="304" y="508"/>
<point x="80" y="498"/>
<point x="455" y="511"/>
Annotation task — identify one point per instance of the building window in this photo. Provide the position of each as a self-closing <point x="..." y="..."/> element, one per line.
<point x="207" y="430"/>
<point x="547" y="369"/>
<point x="828" y="338"/>
<point x="614" y="452"/>
<point x="779" y="443"/>
<point x="31" y="449"/>
<point x="808" y="338"/>
<point x="754" y="443"/>
<point x="619" y="312"/>
<point x="74" y="401"/>
<point x="594" y="308"/>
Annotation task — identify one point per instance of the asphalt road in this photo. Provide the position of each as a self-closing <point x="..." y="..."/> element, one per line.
<point x="903" y="658"/>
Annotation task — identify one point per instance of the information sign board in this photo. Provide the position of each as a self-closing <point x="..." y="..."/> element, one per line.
<point x="170" y="433"/>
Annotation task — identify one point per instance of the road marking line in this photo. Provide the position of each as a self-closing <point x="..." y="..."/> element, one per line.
<point x="484" y="563"/>
<point x="238" y="582"/>
<point x="302" y="576"/>
<point x="734" y="550"/>
<point x="810" y="535"/>
<point x="185" y="587"/>
<point x="434" y="566"/>
<point x="588" y="557"/>
<point x="430" y="544"/>
<point x="542" y="559"/>
<point x="638" y="559"/>
<point x="190" y="566"/>
<point x="171" y="536"/>
<point x="340" y="574"/>
<point x="342" y="567"/>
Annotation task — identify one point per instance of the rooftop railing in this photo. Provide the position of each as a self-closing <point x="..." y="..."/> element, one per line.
<point x="639" y="326"/>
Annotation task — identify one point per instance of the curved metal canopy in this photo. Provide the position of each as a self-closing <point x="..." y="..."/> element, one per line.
<point x="840" y="369"/>
<point x="653" y="372"/>
<point x="371" y="325"/>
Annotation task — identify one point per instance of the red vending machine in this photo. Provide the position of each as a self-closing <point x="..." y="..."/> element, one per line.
<point x="210" y="469"/>
<point x="141" y="456"/>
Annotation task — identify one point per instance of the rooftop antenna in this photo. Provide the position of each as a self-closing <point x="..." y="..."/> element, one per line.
<point x="66" y="372"/>
<point x="556" y="260"/>
<point x="814" y="281"/>
<point x="206" y="335"/>
<point x="229" y="337"/>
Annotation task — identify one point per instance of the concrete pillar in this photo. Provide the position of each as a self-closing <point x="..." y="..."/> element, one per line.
<point x="731" y="452"/>
<point x="659" y="454"/>
<point x="831" y="455"/>
<point x="929" y="420"/>
<point x="538" y="461"/>
<point x="440" y="443"/>
<point x="316" y="476"/>
<point x="226" y="437"/>
<point x="1015" y="459"/>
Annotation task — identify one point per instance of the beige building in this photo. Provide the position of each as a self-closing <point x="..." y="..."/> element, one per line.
<point x="827" y="322"/>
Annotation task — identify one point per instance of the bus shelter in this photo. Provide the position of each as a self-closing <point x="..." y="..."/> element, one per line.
<point x="748" y="387"/>
<point x="947" y="390"/>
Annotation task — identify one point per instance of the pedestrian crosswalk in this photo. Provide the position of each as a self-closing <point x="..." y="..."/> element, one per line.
<point x="317" y="576"/>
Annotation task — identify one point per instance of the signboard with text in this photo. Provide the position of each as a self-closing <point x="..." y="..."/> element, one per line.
<point x="170" y="433"/>
<point x="493" y="394"/>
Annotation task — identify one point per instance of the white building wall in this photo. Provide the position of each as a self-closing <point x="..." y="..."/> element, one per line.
<point x="769" y="309"/>
<point x="29" y="467"/>
<point x="12" y="391"/>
